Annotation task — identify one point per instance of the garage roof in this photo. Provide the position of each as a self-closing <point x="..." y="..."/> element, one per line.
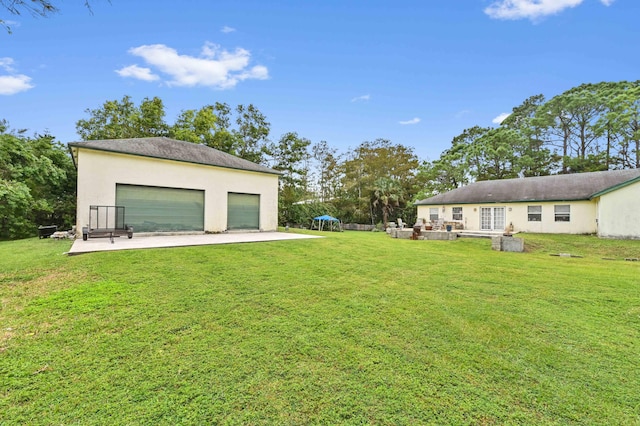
<point x="573" y="187"/>
<point x="172" y="149"/>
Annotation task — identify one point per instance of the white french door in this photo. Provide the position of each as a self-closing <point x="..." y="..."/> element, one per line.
<point x="492" y="218"/>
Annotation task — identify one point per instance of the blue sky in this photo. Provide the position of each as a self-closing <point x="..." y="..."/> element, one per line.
<point x="415" y="72"/>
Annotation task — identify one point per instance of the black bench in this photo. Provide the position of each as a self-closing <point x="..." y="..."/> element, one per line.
<point x="46" y="231"/>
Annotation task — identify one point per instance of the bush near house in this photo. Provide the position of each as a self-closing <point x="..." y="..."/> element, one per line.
<point x="354" y="328"/>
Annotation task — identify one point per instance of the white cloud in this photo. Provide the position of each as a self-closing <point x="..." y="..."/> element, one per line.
<point x="137" y="72"/>
<point x="6" y="64"/>
<point x="531" y="9"/>
<point x="499" y="119"/>
<point x="258" y="72"/>
<point x="227" y="29"/>
<point x="361" y="98"/>
<point x="12" y="83"/>
<point x="412" y="121"/>
<point x="214" y="67"/>
<point x="607" y="2"/>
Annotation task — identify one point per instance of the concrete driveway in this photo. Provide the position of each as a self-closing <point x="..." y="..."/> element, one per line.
<point x="141" y="242"/>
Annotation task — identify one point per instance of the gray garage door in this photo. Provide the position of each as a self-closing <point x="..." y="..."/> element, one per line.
<point x="155" y="209"/>
<point x="243" y="211"/>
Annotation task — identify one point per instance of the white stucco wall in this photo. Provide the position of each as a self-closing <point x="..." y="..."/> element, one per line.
<point x="582" y="218"/>
<point x="100" y="171"/>
<point x="619" y="213"/>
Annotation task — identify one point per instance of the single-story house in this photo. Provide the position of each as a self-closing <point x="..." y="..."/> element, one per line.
<point x="167" y="185"/>
<point x="603" y="203"/>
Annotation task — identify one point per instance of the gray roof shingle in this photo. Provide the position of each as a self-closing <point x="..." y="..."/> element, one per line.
<point x="573" y="187"/>
<point x="172" y="149"/>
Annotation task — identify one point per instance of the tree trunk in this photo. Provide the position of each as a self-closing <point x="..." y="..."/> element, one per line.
<point x="608" y="160"/>
<point x="385" y="217"/>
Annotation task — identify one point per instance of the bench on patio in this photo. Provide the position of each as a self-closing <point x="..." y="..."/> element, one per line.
<point x="106" y="222"/>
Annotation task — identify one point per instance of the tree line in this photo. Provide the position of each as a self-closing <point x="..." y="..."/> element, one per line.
<point x="591" y="127"/>
<point x="365" y="184"/>
<point x="587" y="128"/>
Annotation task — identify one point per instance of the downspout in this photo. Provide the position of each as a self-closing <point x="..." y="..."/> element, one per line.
<point x="598" y="217"/>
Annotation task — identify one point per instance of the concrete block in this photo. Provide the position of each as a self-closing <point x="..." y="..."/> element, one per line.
<point x="439" y="235"/>
<point x="509" y="244"/>
<point x="404" y="234"/>
<point x="496" y="243"/>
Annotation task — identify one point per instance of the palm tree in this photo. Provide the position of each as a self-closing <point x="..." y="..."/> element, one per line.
<point x="387" y="194"/>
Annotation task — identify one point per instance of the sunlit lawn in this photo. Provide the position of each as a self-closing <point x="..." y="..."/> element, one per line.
<point x="355" y="328"/>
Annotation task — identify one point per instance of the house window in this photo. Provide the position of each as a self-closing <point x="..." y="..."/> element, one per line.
<point x="562" y="212"/>
<point x="457" y="213"/>
<point x="433" y="213"/>
<point x="534" y="213"/>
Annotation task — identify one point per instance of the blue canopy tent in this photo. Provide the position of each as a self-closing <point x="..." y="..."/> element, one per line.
<point x="330" y="222"/>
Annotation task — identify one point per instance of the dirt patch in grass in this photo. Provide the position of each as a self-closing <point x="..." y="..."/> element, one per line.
<point x="17" y="291"/>
<point x="5" y="335"/>
<point x="30" y="286"/>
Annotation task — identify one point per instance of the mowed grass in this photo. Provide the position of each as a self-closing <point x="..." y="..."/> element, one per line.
<point x="355" y="328"/>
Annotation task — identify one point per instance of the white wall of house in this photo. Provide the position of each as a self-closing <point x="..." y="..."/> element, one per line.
<point x="619" y="213"/>
<point x="582" y="216"/>
<point x="100" y="171"/>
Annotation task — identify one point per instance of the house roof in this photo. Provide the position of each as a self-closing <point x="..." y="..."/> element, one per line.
<point x="172" y="149"/>
<point x="573" y="187"/>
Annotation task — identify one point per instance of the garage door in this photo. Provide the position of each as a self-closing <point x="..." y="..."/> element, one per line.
<point x="243" y="211"/>
<point x="156" y="209"/>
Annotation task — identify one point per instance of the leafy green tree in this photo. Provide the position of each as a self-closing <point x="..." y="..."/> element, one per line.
<point x="224" y="139"/>
<point x="478" y="153"/>
<point x="197" y="126"/>
<point x="534" y="158"/>
<point x="494" y="155"/>
<point x="454" y="168"/>
<point x="122" y="120"/>
<point x="150" y="117"/>
<point x="291" y="157"/>
<point x="209" y="125"/>
<point x="556" y="122"/>
<point x="621" y="123"/>
<point x="586" y="106"/>
<point x="327" y="176"/>
<point x="57" y="189"/>
<point x="37" y="184"/>
<point x="360" y="170"/>
<point x="448" y="172"/>
<point x="589" y="163"/>
<point x="16" y="202"/>
<point x="252" y="134"/>
<point x="571" y="120"/>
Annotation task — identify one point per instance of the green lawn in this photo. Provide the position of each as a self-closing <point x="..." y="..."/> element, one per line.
<point x="355" y="328"/>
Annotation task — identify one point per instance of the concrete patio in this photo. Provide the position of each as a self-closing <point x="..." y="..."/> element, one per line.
<point x="154" y="241"/>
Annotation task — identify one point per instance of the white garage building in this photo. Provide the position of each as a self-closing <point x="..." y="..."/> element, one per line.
<point x="167" y="185"/>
